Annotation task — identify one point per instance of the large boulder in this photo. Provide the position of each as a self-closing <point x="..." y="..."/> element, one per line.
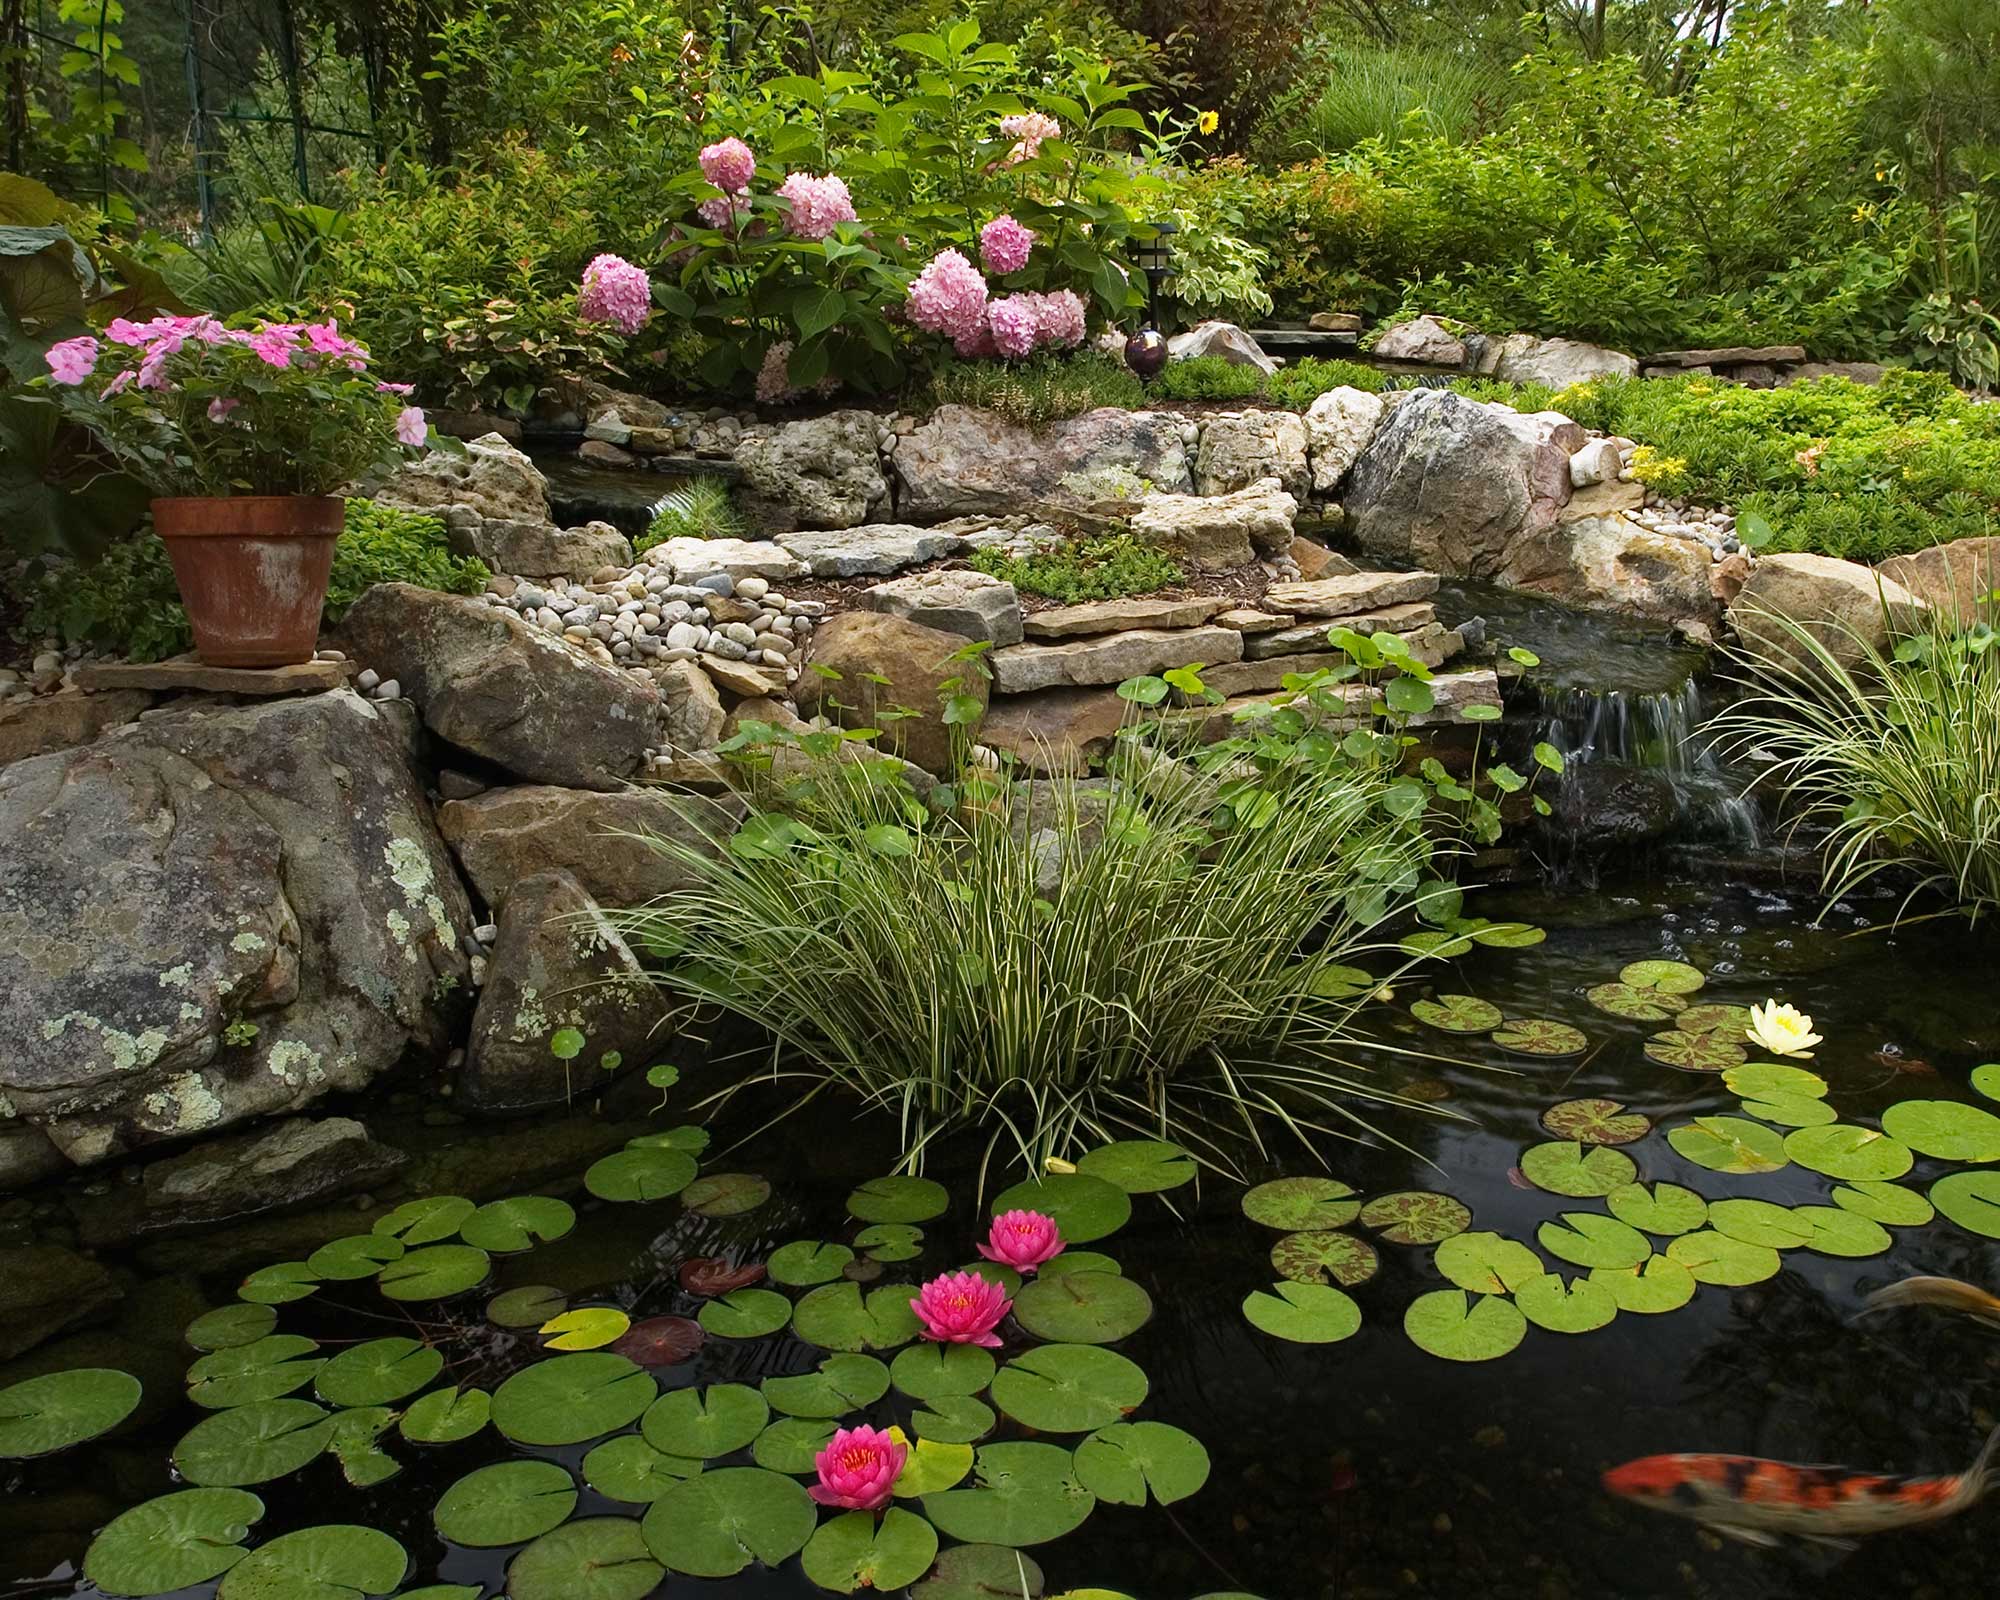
<point x="1953" y="579"/>
<point x="880" y="663"/>
<point x="962" y="461"/>
<point x="1614" y="564"/>
<point x="1558" y="363"/>
<point x="1243" y="448"/>
<point x="1111" y="658"/>
<point x="489" y="478"/>
<point x="1055" y="732"/>
<point x="300" y="1162"/>
<point x="1217" y="532"/>
<point x="504" y="689"/>
<point x="1449" y="483"/>
<point x="33" y="725"/>
<point x="1424" y="339"/>
<point x="1223" y="340"/>
<point x="217" y="914"/>
<point x="821" y="472"/>
<point x="1846" y="607"/>
<point x="1339" y="425"/>
<point x="529" y="549"/>
<point x="969" y="603"/>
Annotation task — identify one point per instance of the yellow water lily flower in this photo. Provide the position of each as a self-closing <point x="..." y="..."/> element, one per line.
<point x="1058" y="1166"/>
<point x="1209" y="121"/>
<point x="1782" y="1030"/>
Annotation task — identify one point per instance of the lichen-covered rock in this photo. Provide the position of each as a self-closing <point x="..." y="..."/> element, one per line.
<point x="820" y="472"/>
<point x="919" y="669"/>
<point x="490" y="477"/>
<point x="1845" y="606"/>
<point x="1339" y="425"/>
<point x="1240" y="449"/>
<point x="963" y="461"/>
<point x="219" y="913"/>
<point x="1614" y="564"/>
<point x="296" y="1164"/>
<point x="1217" y="532"/>
<point x="504" y="689"/>
<point x="962" y="602"/>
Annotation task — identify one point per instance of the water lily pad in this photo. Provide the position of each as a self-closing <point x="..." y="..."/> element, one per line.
<point x="506" y="1504"/>
<point x="933" y="1371"/>
<point x="1416" y="1216"/>
<point x="1972" y="1200"/>
<point x="1658" y="1285"/>
<point x="339" y="1561"/>
<point x="250" y="1372"/>
<point x="806" y="1262"/>
<point x="252" y="1444"/>
<point x="1847" y="1152"/>
<point x="427" y="1221"/>
<point x="1729" y="1021"/>
<point x="726" y="1194"/>
<point x="891" y="1241"/>
<point x="587" y="1328"/>
<point x="1791" y="1110"/>
<point x="377" y="1372"/>
<point x="598" y="1558"/>
<point x="1716" y="1258"/>
<point x="1729" y="1144"/>
<point x="1575" y="1305"/>
<point x="173" y="1542"/>
<point x="1083" y="1308"/>
<point x="1595" y="1122"/>
<point x="994" y="1272"/>
<point x="629" y="1469"/>
<point x="1458" y="1013"/>
<point x="640" y="1172"/>
<point x="716" y="1525"/>
<point x="1540" y="1036"/>
<point x="1947" y="1129"/>
<point x="436" y="1272"/>
<point x="1140" y="1166"/>
<point x="568" y="1399"/>
<point x="61" y="1409"/>
<point x="1665" y="1208"/>
<point x="954" y="1419"/>
<point x="445" y="1416"/>
<point x="354" y="1441"/>
<point x="789" y="1444"/>
<point x="1068" y="1388"/>
<point x="1756" y="1080"/>
<point x="746" y="1314"/>
<point x="842" y="1384"/>
<point x="228" y="1326"/>
<point x="1325" y="1258"/>
<point x="1586" y="1239"/>
<point x="1986" y="1079"/>
<point x="1487" y="1263"/>
<point x="358" y="1256"/>
<point x="1634" y="1004"/>
<point x="1842" y="1233"/>
<point x="529" y="1306"/>
<point x="279" y="1284"/>
<point x="1301" y="1205"/>
<point x="1084" y="1208"/>
<point x="1695" y="1052"/>
<point x="981" y="1572"/>
<point x="838" y="1317"/>
<point x="715" y="1276"/>
<point x="1077" y="1261"/>
<point x="930" y="1467"/>
<point x="1304" y="1313"/>
<point x="688" y="1138"/>
<point x="661" y="1341"/>
<point x="707" y="1422"/>
<point x="1025" y="1494"/>
<point x="1759" y="1222"/>
<point x="1461" y="1327"/>
<point x="506" y="1226"/>
<point x="1581" y="1171"/>
<point x="1888" y="1203"/>
<point x="1663" y="977"/>
<point x="860" y="1551"/>
<point x="898" y="1199"/>
<point x="1125" y="1461"/>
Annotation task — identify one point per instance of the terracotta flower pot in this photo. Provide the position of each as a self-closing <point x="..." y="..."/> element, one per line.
<point x="252" y="571"/>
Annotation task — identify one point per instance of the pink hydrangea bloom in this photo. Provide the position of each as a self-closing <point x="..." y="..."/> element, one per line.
<point x="858" y="1469"/>
<point x="616" y="292"/>
<point x="1004" y="245"/>
<point x="949" y="297"/>
<point x="71" y="361"/>
<point x="728" y="165"/>
<point x="219" y="408"/>
<point x="1022" y="1240"/>
<point x="961" y="1308"/>
<point x="1062" y="319"/>
<point x="1016" y="323"/>
<point x="819" y="205"/>
<point x="774" y="383"/>
<point x="976" y="344"/>
<point x="1028" y="129"/>
<point x="410" y="428"/>
<point x="722" y="210"/>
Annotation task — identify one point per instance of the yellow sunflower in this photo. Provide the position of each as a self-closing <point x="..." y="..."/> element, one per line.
<point x="1208" y="121"/>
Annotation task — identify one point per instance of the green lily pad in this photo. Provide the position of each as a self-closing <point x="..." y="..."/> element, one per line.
<point x="687" y="1138"/>
<point x="1460" y="1327"/>
<point x="790" y="1444"/>
<point x="358" y="1256"/>
<point x="1325" y="1258"/>
<point x="436" y="1272"/>
<point x="859" y="1551"/>
<point x="1729" y="1144"/>
<point x="981" y="1572"/>
<point x="589" y="1328"/>
<point x="1583" y="1172"/>
<point x="1729" y="1021"/>
<point x="1847" y="1152"/>
<point x="1695" y="1052"/>
<point x="1972" y="1200"/>
<point x="1083" y="1308"/>
<point x="1759" y="1222"/>
<point x="529" y="1306"/>
<point x="229" y="1326"/>
<point x="746" y="1314"/>
<point x="1657" y="1285"/>
<point x="1595" y="1122"/>
<point x="61" y="1409"/>
<point x="1986" y="1079"/>
<point x="1718" y="1259"/>
<point x="640" y="1172"/>
<point x="568" y="1399"/>
<point x="445" y="1416"/>
<point x="891" y="1241"/>
<point x="707" y="1422"/>
<point x="375" y="1373"/>
<point x="1416" y="1216"/>
<point x="932" y="1467"/>
<point x="1946" y="1129"/>
<point x="506" y="1504"/>
<point x="1585" y="1239"/>
<point x="1663" y="977"/>
<point x="629" y="1469"/>
<point x="805" y="1263"/>
<point x="1574" y="1306"/>
<point x="726" y="1194"/>
<point x="933" y="1371"/>
<point x="1301" y="1205"/>
<point x="953" y="1419"/>
<point x="252" y="1444"/>
<point x="1084" y="1208"/>
<point x="279" y="1284"/>
<point x="842" y="1384"/>
<point x="898" y="1199"/>
<point x="427" y="1221"/>
<point x="597" y="1558"/>
<point x="1304" y="1313"/>
<point x="173" y="1542"/>
<point x="1125" y="1461"/>
<point x="1068" y="1388"/>
<point x="1758" y="1080"/>
<point x="1634" y="1004"/>
<point x="716" y="1525"/>
<point x="1791" y="1110"/>
<point x="994" y="1272"/>
<point x="1664" y="1209"/>
<point x="1888" y="1203"/>
<point x="1540" y="1036"/>
<point x="1025" y="1494"/>
<point x="838" y="1317"/>
<point x="250" y="1372"/>
<point x="1458" y="1013"/>
<point x="1077" y="1261"/>
<point x="354" y="1441"/>
<point x="339" y="1561"/>
<point x="1487" y="1263"/>
<point x="1842" y="1233"/>
<point x="506" y="1226"/>
<point x="1140" y="1166"/>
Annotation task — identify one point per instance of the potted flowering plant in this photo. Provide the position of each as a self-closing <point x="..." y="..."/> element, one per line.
<point x="245" y="436"/>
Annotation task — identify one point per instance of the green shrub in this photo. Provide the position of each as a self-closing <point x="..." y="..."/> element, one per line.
<point x="1296" y="387"/>
<point x="1109" y="567"/>
<point x="1208" y="378"/>
<point x="384" y="545"/>
<point x="698" y="509"/>
<point x="1043" y="388"/>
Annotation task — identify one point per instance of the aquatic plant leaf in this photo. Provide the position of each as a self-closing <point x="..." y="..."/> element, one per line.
<point x="597" y="1558"/>
<point x="1663" y="977"/>
<point x="358" y="1256"/>
<point x="436" y="1272"/>
<point x="60" y="1409"/>
<point x="228" y="1326"/>
<point x="1729" y="1144"/>
<point x="1573" y="1306"/>
<point x="1304" y="1313"/>
<point x="1124" y="1461"/>
<point x="353" y="1441"/>
<point x="995" y="1272"/>
<point x="837" y="1317"/>
<point x="1068" y="1388"/>
<point x="445" y="1416"/>
<point x="587" y="1328"/>
<point x="1083" y="1308"/>
<point x="430" y="1220"/>
<point x="1458" y="1013"/>
<point x="806" y="1262"/>
<point x="504" y="1227"/>
<point x="1431" y="945"/>
<point x="529" y="1306"/>
<point x="1585" y="1239"/>
<point x="644" y="1172"/>
<point x="1487" y="1263"/>
<point x="279" y="1284"/>
<point x="930" y="1467"/>
<point x="1791" y="1110"/>
<point x="1695" y="1052"/>
<point x="981" y="1572"/>
<point x="746" y="1314"/>
<point x="930" y="1371"/>
<point x="1718" y="1259"/>
<point x="1729" y="1021"/>
<point x="1842" y="1233"/>
<point x="1986" y="1079"/>
<point x="1140" y="1166"/>
<point x="173" y="1542"/>
<point x="789" y="1444"/>
<point x="1336" y="982"/>
<point x="252" y="1444"/>
<point x="568" y="1399"/>
<point x="858" y="1551"/>
<point x="687" y="1138"/>
<point x="1888" y="1203"/>
<point x="1758" y="1080"/>
<point x="443" y="1591"/>
<point x="1583" y="1172"/>
<point x="377" y="1372"/>
<point x="506" y="1504"/>
<point x="891" y="1241"/>
<point x="1540" y="1036"/>
<point x="1416" y="1216"/>
<point x="842" y="1384"/>
<point x="1025" y="1494"/>
<point x="1595" y="1122"/>
<point x="1634" y="1004"/>
<point x="713" y="1276"/>
<point x="339" y="1561"/>
<point x="1972" y="1200"/>
<point x="1301" y="1205"/>
<point x="715" y="1525"/>
<point x="1507" y="935"/>
<point x="1759" y="1222"/>
<point x="245" y="1373"/>
<point x="1462" y="1327"/>
<point x="707" y="1422"/>
<point x="954" y="1419"/>
<point x="1077" y="1261"/>
<point x="629" y="1469"/>
<point x="661" y="1341"/>
<point x="1084" y="1208"/>
<point x="898" y="1199"/>
<point x="726" y="1194"/>
<point x="1657" y="1285"/>
<point x="1665" y="1208"/>
<point x="1947" y="1129"/>
<point x="1847" y="1152"/>
<point x="1325" y="1258"/>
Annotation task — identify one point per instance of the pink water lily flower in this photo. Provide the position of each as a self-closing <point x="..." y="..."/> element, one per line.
<point x="961" y="1308"/>
<point x="858" y="1469"/>
<point x="1022" y="1240"/>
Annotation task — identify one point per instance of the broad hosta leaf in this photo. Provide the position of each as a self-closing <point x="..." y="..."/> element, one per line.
<point x="1695" y="1052"/>
<point x="707" y="1422"/>
<point x="1325" y="1257"/>
<point x="1759" y="1222"/>
<point x="1084" y="1208"/>
<point x="529" y="1306"/>
<point x="444" y="1416"/>
<point x="336" y="1562"/>
<point x="898" y="1199"/>
<point x="1304" y="1313"/>
<point x="1842" y="1233"/>
<point x="1462" y="1327"/>
<point x="1124" y="1461"/>
<point x="954" y="1419"/>
<point x="252" y="1444"/>
<point x="1083" y="1308"/>
<point x="981" y="1572"/>
<point x="1583" y="1172"/>
<point x="599" y="1558"/>
<point x="1634" y="1004"/>
<point x="360" y="1255"/>
<point x="1068" y="1388"/>
<point x="858" y="1551"/>
<point x="174" y="1542"/>
<point x="838" y="1317"/>
<point x="789" y="1444"/>
<point x="1487" y="1263"/>
<point x="436" y="1272"/>
<point x="519" y="1223"/>
<point x="1729" y="1144"/>
<point x="746" y="1314"/>
<point x="1756" y="1080"/>
<point x="505" y="1504"/>
<point x="1946" y="1129"/>
<point x="1585" y="1239"/>
<point x="726" y="1194"/>
<point x="843" y="1384"/>
<point x="629" y="1469"/>
<point x="932" y="1371"/>
<point x="1716" y="1258"/>
<point x="228" y="1326"/>
<point x="1595" y="1122"/>
<point x="1972" y="1200"/>
<point x="60" y="1409"/>
<point x="1025" y="1494"/>
<point x="1849" y="1153"/>
<point x="1540" y="1036"/>
<point x="1660" y="1284"/>
<point x="1140" y="1166"/>
<point x="1416" y="1216"/>
<point x="1301" y="1205"/>
<point x="1888" y="1203"/>
<point x="715" y="1525"/>
<point x="427" y="1221"/>
<point x="643" y="1172"/>
<point x="1458" y="1013"/>
<point x="661" y="1341"/>
<point x="806" y="1262"/>
<point x="1665" y="1209"/>
<point x="1574" y="1306"/>
<point x="569" y="1399"/>
<point x="1663" y="977"/>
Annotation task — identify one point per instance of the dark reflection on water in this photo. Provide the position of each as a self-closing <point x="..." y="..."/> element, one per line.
<point x="1369" y="1468"/>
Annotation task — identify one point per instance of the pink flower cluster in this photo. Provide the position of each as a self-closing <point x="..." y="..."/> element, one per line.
<point x="949" y="297"/>
<point x="72" y="360"/>
<point x="1028" y="129"/>
<point x="728" y="165"/>
<point x="818" y="205"/>
<point x="774" y="382"/>
<point x="1004" y="245"/>
<point x="616" y="292"/>
<point x="722" y="210"/>
<point x="858" y="1469"/>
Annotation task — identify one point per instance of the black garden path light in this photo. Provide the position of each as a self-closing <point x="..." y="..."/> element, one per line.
<point x="1146" y="350"/>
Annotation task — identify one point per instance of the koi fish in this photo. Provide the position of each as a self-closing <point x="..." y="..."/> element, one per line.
<point x="1753" y="1500"/>
<point x="1948" y="1294"/>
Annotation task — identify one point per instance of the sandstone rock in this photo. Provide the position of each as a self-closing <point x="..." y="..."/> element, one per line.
<point x="1433" y="644"/>
<point x="1839" y="603"/>
<point x="1352" y="594"/>
<point x="961" y="460"/>
<point x="924" y="667"/>
<point x="491" y="477"/>
<point x="1339" y="425"/>
<point x="597" y="400"/>
<point x="558" y="963"/>
<point x="1022" y="668"/>
<point x="294" y="1165"/>
<point x="740" y="558"/>
<point x="872" y="551"/>
<point x="1730" y="356"/>
<point x="1238" y="450"/>
<point x="539" y="549"/>
<point x="1291" y="641"/>
<point x="819" y="472"/>
<point x="191" y="674"/>
<point x="505" y="689"/>
<point x="1314" y="560"/>
<point x="1119" y="616"/>
<point x="1334" y="322"/>
<point x="1423" y="339"/>
<point x="1602" y="499"/>
<point x="1613" y="564"/>
<point x="1224" y="340"/>
<point x="690" y="709"/>
<point x="1249" y="620"/>
<point x="601" y="453"/>
<point x="971" y="604"/>
<point x="1054" y="732"/>
<point x="1217" y="532"/>
<point x="1597" y="462"/>
<point x="741" y="678"/>
<point x="45" y="1289"/>
<point x="1558" y="363"/>
<point x="33" y="725"/>
<point x="1954" y="579"/>
<point x="1727" y="577"/>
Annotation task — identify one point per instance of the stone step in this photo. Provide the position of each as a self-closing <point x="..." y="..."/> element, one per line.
<point x="1248" y="619"/>
<point x="190" y="673"/>
<point x="1121" y="616"/>
<point x="1112" y="658"/>
<point x="1432" y="644"/>
<point x="1291" y="641"/>
<point x="1352" y="593"/>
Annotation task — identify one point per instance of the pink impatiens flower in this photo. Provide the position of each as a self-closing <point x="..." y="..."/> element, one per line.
<point x="949" y="297"/>
<point x="961" y="1308"/>
<point x="819" y="205"/>
<point x="219" y="408"/>
<point x="728" y="165"/>
<point x="616" y="292"/>
<point x="71" y="360"/>
<point x="1022" y="1240"/>
<point x="1004" y="245"/>
<point x="410" y="428"/>
<point x="858" y="1469"/>
<point x="274" y="346"/>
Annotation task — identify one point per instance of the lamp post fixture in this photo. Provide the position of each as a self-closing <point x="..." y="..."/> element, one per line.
<point x="1146" y="351"/>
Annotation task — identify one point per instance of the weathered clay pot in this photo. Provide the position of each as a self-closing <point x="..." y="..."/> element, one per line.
<point x="252" y="571"/>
